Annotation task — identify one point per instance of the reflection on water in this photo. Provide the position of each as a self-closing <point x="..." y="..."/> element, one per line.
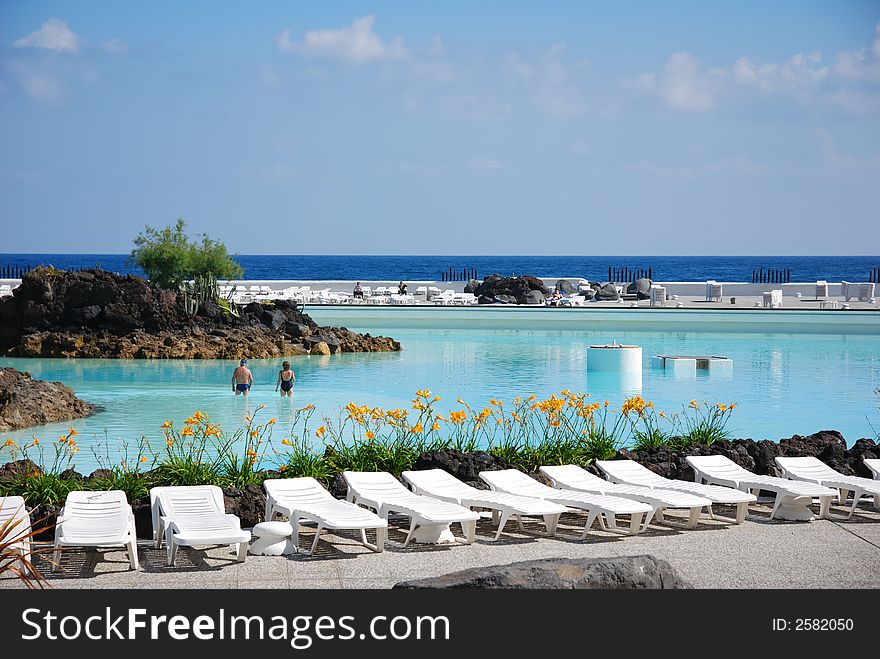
<point x="783" y="384"/>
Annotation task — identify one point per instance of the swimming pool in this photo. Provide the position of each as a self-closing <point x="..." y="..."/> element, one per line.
<point x="782" y="383"/>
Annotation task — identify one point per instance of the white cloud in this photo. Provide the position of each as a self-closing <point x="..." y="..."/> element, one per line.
<point x="798" y="73"/>
<point x="53" y="35"/>
<point x="115" y="46"/>
<point x="682" y="85"/>
<point x="357" y="43"/>
<point x="843" y="162"/>
<point x="862" y="64"/>
<point x="554" y="85"/>
<point x="43" y="88"/>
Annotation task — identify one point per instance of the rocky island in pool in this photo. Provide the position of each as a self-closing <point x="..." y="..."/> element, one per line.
<point x="93" y="313"/>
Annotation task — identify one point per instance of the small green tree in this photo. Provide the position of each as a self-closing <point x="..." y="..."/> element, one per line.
<point x="168" y="256"/>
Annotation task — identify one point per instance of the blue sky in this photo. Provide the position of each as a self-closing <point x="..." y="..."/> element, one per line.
<point x="443" y="128"/>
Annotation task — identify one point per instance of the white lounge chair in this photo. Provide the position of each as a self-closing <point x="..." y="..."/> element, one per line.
<point x="874" y="465"/>
<point x="428" y="517"/>
<point x="630" y="472"/>
<point x="306" y="499"/>
<point x="772" y="299"/>
<point x="603" y="508"/>
<point x="96" y="519"/>
<point x="713" y="291"/>
<point x="439" y="484"/>
<point x="793" y="498"/>
<point x="14" y="514"/>
<point x="573" y="477"/>
<point x="821" y="290"/>
<point x="813" y="470"/>
<point x="658" y="296"/>
<point x="193" y="515"/>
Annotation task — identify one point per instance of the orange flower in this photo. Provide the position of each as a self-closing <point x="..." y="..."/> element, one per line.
<point x="320" y="431"/>
<point x="143" y="459"/>
<point x="606" y="403"/>
<point x="418" y="428"/>
<point x="435" y="399"/>
<point x="186" y="432"/>
<point x="371" y="434"/>
<point x="9" y="442"/>
<point x="166" y="425"/>
<point x="75" y="449"/>
<point x="271" y="421"/>
<point x="36" y="441"/>
<point x="247" y="418"/>
<point x="286" y="442"/>
<point x="436" y="426"/>
<point x="198" y="416"/>
<point x="72" y="432"/>
<point x="170" y="442"/>
<point x="308" y="407"/>
<point x="62" y="439"/>
<point x="254" y="433"/>
<point x="282" y="468"/>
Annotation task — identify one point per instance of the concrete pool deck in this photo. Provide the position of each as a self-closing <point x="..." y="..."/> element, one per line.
<point x="829" y="553"/>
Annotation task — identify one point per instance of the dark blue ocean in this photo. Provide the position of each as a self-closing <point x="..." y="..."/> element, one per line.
<point x="664" y="268"/>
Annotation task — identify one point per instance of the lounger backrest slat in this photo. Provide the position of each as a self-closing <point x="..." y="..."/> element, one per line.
<point x="439" y="482"/>
<point x="572" y="476"/>
<point x="809" y="467"/>
<point x="630" y="471"/>
<point x="515" y="481"/>
<point x="719" y="466"/>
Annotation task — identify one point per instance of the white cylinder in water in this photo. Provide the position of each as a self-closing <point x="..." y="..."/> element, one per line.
<point x="622" y="363"/>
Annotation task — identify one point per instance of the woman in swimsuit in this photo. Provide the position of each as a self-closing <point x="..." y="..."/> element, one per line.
<point x="285" y="380"/>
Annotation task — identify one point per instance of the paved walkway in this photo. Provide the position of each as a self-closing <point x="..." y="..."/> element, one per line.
<point x="831" y="553"/>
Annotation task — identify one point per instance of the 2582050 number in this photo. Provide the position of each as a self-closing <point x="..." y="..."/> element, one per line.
<point x="823" y="624"/>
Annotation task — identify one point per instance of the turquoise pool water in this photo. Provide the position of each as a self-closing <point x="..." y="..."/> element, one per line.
<point x="783" y="384"/>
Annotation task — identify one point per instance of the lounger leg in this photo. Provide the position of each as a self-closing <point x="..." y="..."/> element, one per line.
<point x="504" y="517"/>
<point x="551" y="521"/>
<point x="469" y="529"/>
<point x="658" y="515"/>
<point x="519" y="523"/>
<point x="132" y="553"/>
<point x="635" y="525"/>
<point x="315" y="541"/>
<point x="856" y="497"/>
<point x="381" y="533"/>
<point x="268" y="513"/>
<point x="824" y="507"/>
<point x="172" y="547"/>
<point x="242" y="551"/>
<point x="877" y="501"/>
<point x="158" y="534"/>
<point x="412" y="528"/>
<point x="591" y="517"/>
<point x="294" y="524"/>
<point x="694" y="518"/>
<point x="742" y="509"/>
<point x="495" y="516"/>
<point x="56" y="557"/>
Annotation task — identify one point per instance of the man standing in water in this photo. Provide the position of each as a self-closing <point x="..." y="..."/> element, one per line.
<point x="242" y="380"/>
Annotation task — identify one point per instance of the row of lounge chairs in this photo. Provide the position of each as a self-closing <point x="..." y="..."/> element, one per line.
<point x="195" y="515"/>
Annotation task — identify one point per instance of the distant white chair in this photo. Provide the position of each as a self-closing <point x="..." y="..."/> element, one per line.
<point x="429" y="517"/>
<point x="304" y="499"/>
<point x="464" y="298"/>
<point x="713" y="291"/>
<point x="772" y="299"/>
<point x="863" y="291"/>
<point x="194" y="515"/>
<point x="658" y="296"/>
<point x="821" y="290"/>
<point x="793" y="498"/>
<point x="439" y="484"/>
<point x="813" y="470"/>
<point x="96" y="519"/>
<point x="14" y="515"/>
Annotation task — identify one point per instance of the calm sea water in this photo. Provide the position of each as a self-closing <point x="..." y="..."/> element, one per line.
<point x="665" y="268"/>
<point x="783" y="384"/>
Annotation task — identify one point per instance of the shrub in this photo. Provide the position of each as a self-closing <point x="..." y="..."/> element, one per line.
<point x="701" y="423"/>
<point x="168" y="256"/>
<point x="47" y="484"/>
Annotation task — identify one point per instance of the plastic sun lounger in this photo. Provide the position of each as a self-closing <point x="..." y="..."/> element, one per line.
<point x="874" y="465"/>
<point x="813" y="470"/>
<point x="439" y="484"/>
<point x="573" y="477"/>
<point x="603" y="508"/>
<point x="15" y="517"/>
<point x="793" y="498"/>
<point x="96" y="519"/>
<point x="386" y="495"/>
<point x="306" y="499"/>
<point x="194" y="515"/>
<point x="630" y="472"/>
